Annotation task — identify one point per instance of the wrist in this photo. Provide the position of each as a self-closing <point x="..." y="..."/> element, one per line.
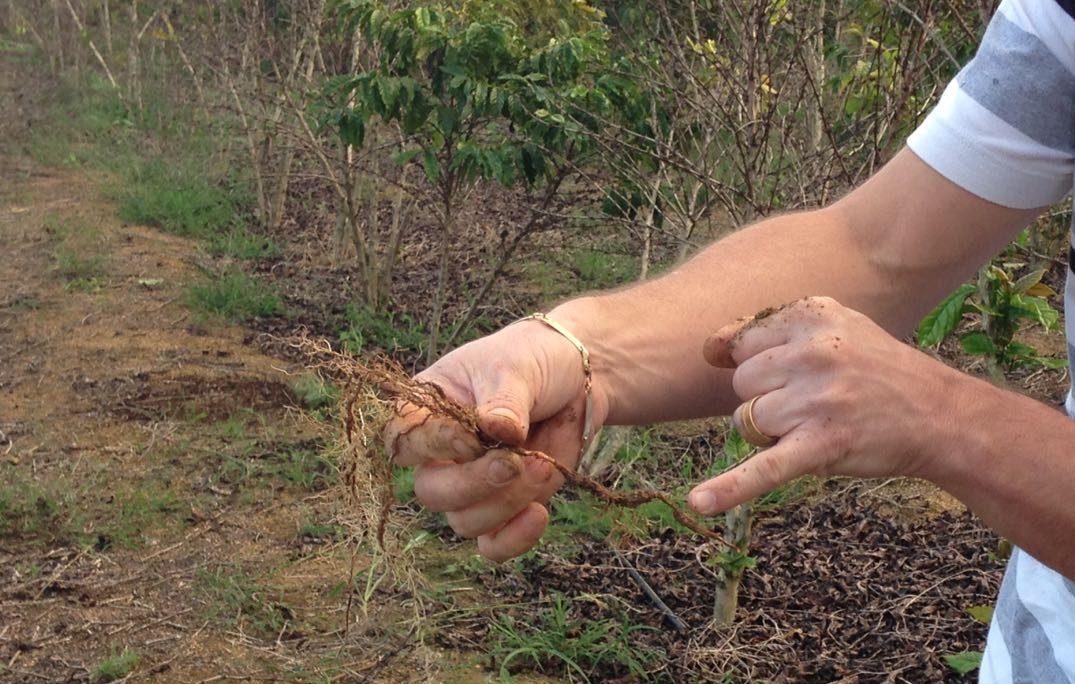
<point x="582" y="317"/>
<point x="956" y="414"/>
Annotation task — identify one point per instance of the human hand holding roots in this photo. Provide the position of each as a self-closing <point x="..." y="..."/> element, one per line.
<point x="374" y="390"/>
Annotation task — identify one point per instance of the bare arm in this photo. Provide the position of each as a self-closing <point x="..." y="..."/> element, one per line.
<point x="890" y="249"/>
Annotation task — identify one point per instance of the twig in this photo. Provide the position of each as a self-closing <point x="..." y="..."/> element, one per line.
<point x="674" y="620"/>
<point x="56" y="575"/>
<point x="93" y="47"/>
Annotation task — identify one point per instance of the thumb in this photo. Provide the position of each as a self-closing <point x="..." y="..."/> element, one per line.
<point x="504" y="414"/>
<point x="717" y="348"/>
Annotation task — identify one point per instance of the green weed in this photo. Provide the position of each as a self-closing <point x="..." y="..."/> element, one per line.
<point x="315" y="392"/>
<point x="233" y="296"/>
<point x="314" y="530"/>
<point x="179" y="199"/>
<point x="598" y="269"/>
<point x="116" y="666"/>
<point x="306" y="469"/>
<point x="28" y="511"/>
<point x="242" y="244"/>
<point x="86" y="124"/>
<point x="580" y="648"/>
<point x="129" y="515"/>
<point x="389" y="331"/>
<point x="235" y="597"/>
<point x="81" y="273"/>
<point x="403" y="484"/>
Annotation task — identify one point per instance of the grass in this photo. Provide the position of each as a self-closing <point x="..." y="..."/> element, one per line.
<point x="560" y="642"/>
<point x="54" y="512"/>
<point x="234" y="296"/>
<point x="315" y="392"/>
<point x="81" y="273"/>
<point x="385" y="330"/>
<point x="29" y="511"/>
<point x="163" y="165"/>
<point x="75" y="258"/>
<point x="242" y="244"/>
<point x="235" y="597"/>
<point x="131" y="515"/>
<point x="181" y="199"/>
<point x="116" y="666"/>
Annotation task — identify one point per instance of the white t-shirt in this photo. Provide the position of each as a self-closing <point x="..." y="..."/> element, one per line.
<point x="1005" y="130"/>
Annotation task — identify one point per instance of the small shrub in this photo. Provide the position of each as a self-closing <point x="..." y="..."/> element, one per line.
<point x="116" y="666"/>
<point x="235" y="296"/>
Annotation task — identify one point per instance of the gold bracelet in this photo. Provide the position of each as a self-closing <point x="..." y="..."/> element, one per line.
<point x="587" y="419"/>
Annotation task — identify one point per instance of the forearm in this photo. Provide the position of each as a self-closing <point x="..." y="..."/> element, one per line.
<point x="646" y="341"/>
<point x="1009" y="459"/>
<point x="890" y="249"/>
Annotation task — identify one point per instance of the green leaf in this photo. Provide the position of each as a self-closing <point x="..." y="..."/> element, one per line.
<point x="406" y="155"/>
<point x="939" y="323"/>
<point x="1028" y="281"/>
<point x="735" y="447"/>
<point x="1037" y="309"/>
<point x="1018" y="350"/>
<point x="352" y="129"/>
<point x="978" y="343"/>
<point x="1050" y="363"/>
<point x="431" y="166"/>
<point x="965" y="662"/>
<point x="983" y="614"/>
<point x="734" y="561"/>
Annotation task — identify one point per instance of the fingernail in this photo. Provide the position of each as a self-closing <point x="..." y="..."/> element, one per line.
<point x="502" y="471"/>
<point x="461" y="448"/>
<point x="507" y="414"/>
<point x="704" y="502"/>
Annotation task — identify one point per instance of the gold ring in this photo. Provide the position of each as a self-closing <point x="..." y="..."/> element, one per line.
<point x="751" y="432"/>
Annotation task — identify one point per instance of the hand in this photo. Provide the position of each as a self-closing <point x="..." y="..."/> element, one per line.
<point x="841" y="395"/>
<point x="526" y="383"/>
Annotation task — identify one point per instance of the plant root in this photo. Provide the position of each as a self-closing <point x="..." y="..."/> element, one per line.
<point x="381" y="388"/>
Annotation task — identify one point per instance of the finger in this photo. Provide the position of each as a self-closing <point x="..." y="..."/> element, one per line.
<point x="516" y="537"/>
<point x="489" y="514"/>
<point x="766" y="372"/>
<point x="761" y="334"/>
<point x="414" y="435"/>
<point x="448" y="486"/>
<point x="775" y="413"/>
<point x="792" y="457"/>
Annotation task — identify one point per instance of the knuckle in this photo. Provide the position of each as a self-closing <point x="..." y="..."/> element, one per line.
<point x="427" y="492"/>
<point x="741" y="382"/>
<point x="464" y="525"/>
<point x="771" y="472"/>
